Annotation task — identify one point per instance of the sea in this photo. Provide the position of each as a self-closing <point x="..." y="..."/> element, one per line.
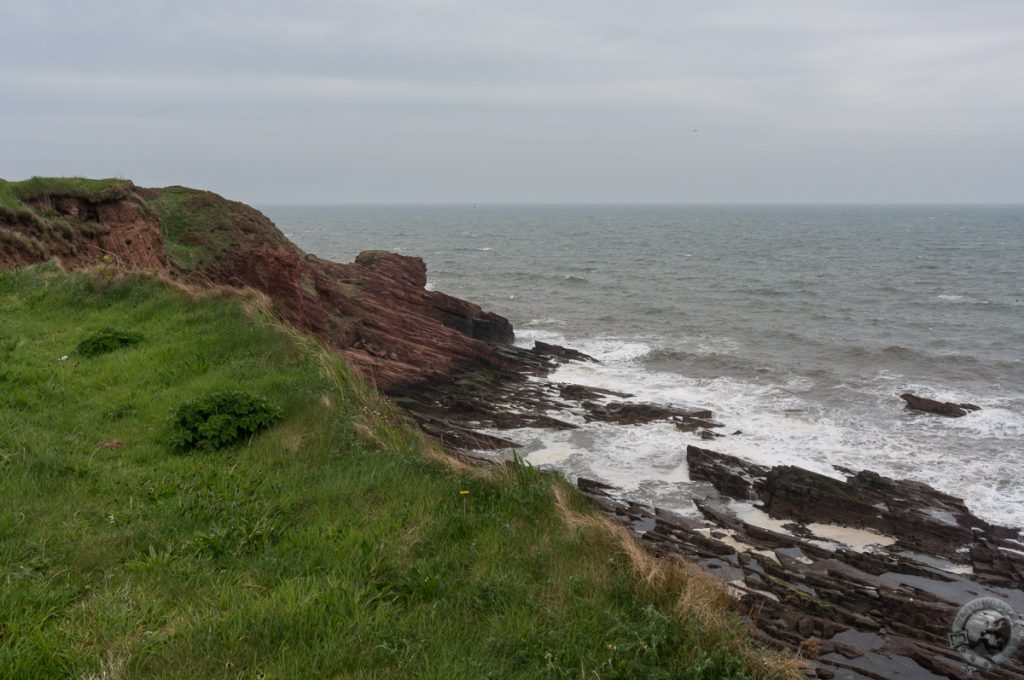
<point x="798" y="326"/>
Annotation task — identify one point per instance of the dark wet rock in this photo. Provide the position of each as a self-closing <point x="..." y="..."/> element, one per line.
<point x="882" y="613"/>
<point x="592" y="486"/>
<point x="511" y="396"/>
<point x="944" y="408"/>
<point x="455" y="436"/>
<point x="921" y="518"/>
<point x="998" y="562"/>
<point x="561" y="353"/>
<point x="637" y="413"/>
<point x="732" y="476"/>
<point x="585" y="393"/>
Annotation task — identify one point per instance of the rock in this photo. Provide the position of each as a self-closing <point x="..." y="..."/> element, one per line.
<point x="410" y="271"/>
<point x="634" y="413"/>
<point x="919" y="517"/>
<point x="585" y="393"/>
<point x="731" y="476"/>
<point x="592" y="486"/>
<point x="996" y="563"/>
<point x="944" y="408"/>
<point x="561" y="353"/>
<point x="875" y="614"/>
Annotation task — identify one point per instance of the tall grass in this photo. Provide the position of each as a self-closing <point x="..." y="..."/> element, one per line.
<point x="338" y="543"/>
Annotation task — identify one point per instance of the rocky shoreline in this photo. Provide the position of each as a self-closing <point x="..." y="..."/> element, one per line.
<point x="862" y="578"/>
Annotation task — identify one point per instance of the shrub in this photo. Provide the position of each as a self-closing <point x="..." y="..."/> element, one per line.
<point x="220" y="419"/>
<point x="107" y="340"/>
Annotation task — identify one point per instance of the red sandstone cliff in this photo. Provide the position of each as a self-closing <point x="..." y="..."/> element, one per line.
<point x="375" y="310"/>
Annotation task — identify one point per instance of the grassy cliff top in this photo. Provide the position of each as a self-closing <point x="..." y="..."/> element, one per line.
<point x="334" y="544"/>
<point x="13" y="194"/>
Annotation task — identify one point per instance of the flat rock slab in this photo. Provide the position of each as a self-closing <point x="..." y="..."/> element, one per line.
<point x="637" y="413"/>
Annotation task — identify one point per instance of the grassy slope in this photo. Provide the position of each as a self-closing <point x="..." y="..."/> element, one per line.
<point x="307" y="552"/>
<point x="200" y="228"/>
<point x="181" y="218"/>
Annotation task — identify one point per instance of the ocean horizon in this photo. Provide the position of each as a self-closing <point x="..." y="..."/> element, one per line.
<point x="798" y="325"/>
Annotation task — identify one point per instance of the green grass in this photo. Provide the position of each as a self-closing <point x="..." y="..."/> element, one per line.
<point x="8" y="199"/>
<point x="187" y="230"/>
<point x="201" y="229"/>
<point x="66" y="186"/>
<point x="327" y="546"/>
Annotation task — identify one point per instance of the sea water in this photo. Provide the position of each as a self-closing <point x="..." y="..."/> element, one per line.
<point x="798" y="326"/>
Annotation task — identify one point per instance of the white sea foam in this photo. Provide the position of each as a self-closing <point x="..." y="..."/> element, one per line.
<point x="526" y="337"/>
<point x="779" y="425"/>
<point x="542" y="322"/>
<point x="964" y="299"/>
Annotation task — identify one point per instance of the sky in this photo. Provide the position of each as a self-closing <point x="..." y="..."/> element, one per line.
<point x="459" y="101"/>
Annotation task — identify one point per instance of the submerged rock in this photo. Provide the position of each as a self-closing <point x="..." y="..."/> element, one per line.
<point x="944" y="408"/>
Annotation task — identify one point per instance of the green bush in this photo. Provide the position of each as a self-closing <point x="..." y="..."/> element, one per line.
<point x="107" y="340"/>
<point x="220" y="419"/>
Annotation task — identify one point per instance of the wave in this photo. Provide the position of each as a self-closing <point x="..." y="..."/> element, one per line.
<point x="548" y="321"/>
<point x="963" y="299"/>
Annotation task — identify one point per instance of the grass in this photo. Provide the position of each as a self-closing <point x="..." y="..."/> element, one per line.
<point x="338" y="543"/>
<point x="202" y="229"/>
<point x="188" y="231"/>
<point x="12" y="194"/>
<point x="8" y="198"/>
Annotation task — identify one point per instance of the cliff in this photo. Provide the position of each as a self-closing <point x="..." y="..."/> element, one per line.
<point x="375" y="310"/>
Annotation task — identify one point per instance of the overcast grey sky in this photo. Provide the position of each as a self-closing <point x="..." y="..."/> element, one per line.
<point x="481" y="101"/>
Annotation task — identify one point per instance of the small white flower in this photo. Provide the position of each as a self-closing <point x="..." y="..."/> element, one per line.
<point x="63" y="358"/>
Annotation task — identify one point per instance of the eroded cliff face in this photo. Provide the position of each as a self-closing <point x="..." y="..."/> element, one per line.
<point x="375" y="310"/>
<point x="81" y="231"/>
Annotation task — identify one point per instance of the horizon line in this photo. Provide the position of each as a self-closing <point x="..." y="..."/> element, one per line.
<point x="342" y="204"/>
